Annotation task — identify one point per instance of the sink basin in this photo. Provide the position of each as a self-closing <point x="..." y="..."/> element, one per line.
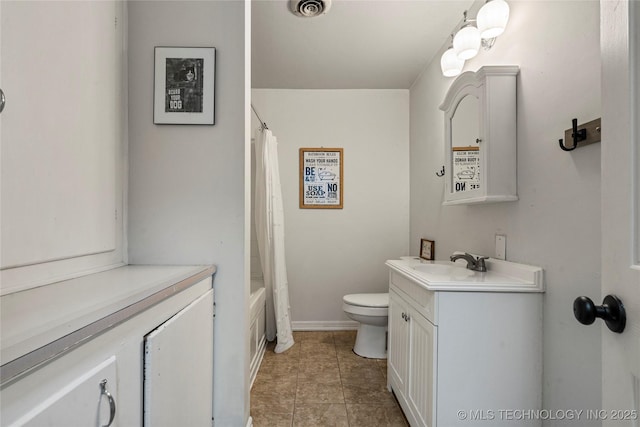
<point x="449" y="270"/>
<point x="501" y="276"/>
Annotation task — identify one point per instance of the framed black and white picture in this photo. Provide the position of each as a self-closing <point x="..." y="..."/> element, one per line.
<point x="184" y="89"/>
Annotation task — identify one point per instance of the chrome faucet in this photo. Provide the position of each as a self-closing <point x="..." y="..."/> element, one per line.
<point x="475" y="264"/>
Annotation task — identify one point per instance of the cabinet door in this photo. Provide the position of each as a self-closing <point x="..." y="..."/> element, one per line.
<point x="79" y="403"/>
<point x="178" y="368"/>
<point x="62" y="126"/>
<point x="397" y="357"/>
<point x="422" y="363"/>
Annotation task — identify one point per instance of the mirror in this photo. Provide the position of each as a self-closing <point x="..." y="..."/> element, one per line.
<point x="464" y="123"/>
<point x="465" y="145"/>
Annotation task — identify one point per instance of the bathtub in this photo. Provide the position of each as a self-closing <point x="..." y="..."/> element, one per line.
<point x="257" y="337"/>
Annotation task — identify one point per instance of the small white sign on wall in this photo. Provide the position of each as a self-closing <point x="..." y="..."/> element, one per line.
<point x="466" y="169"/>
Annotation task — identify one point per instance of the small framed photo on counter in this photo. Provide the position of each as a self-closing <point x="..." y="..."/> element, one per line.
<point x="427" y="249"/>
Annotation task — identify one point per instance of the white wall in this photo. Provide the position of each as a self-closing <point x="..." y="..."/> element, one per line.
<point x="556" y="222"/>
<point x="333" y="252"/>
<point x="187" y="183"/>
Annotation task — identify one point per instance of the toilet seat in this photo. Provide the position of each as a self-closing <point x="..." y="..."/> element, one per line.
<point x="365" y="311"/>
<point x="367" y="300"/>
<point x="366" y="304"/>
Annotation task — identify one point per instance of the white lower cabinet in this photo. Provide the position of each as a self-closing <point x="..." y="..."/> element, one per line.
<point x="66" y="390"/>
<point x="422" y="355"/>
<point x="178" y="368"/>
<point x="411" y="360"/>
<point x="88" y="395"/>
<point x="398" y="347"/>
<point x="464" y="358"/>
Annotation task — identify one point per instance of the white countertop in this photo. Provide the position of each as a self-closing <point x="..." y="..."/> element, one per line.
<point x="501" y="276"/>
<point x="34" y="318"/>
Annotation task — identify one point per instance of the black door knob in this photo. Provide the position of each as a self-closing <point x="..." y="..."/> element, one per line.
<point x="611" y="311"/>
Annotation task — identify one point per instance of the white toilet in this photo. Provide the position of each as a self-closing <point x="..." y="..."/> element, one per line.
<point x="371" y="311"/>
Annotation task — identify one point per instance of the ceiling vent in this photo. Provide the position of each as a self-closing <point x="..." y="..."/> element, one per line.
<point x="309" y="8"/>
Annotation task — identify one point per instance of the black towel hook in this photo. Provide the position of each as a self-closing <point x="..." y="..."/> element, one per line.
<point x="441" y="173"/>
<point x="577" y="135"/>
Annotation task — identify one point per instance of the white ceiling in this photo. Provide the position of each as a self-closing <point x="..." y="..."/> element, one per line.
<point x="358" y="44"/>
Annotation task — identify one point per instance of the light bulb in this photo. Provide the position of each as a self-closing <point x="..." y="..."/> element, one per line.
<point x="492" y="18"/>
<point x="466" y="43"/>
<point x="450" y="64"/>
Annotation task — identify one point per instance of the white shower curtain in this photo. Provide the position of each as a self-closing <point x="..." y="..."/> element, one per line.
<point x="270" y="234"/>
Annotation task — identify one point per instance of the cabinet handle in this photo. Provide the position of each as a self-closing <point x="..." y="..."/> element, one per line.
<point x="112" y="402"/>
<point x="2" y="99"/>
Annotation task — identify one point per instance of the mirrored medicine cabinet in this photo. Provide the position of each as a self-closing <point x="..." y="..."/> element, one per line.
<point x="480" y="137"/>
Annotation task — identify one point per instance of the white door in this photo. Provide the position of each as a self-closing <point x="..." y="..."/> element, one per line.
<point x="621" y="207"/>
<point x="178" y="368"/>
<point x="422" y="351"/>
<point x="397" y="357"/>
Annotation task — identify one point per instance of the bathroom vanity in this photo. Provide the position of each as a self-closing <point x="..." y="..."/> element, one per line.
<point x="465" y="347"/>
<point x="128" y="346"/>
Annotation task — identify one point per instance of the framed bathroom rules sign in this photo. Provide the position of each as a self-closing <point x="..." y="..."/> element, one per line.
<point x="184" y="85"/>
<point x="321" y="171"/>
<point x="466" y="169"/>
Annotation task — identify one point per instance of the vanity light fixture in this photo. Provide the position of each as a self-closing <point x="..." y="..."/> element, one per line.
<point x="490" y="23"/>
<point x="492" y="18"/>
<point x="450" y="64"/>
<point x="466" y="42"/>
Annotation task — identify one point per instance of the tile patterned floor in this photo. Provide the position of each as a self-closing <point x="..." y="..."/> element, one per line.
<point x="321" y="382"/>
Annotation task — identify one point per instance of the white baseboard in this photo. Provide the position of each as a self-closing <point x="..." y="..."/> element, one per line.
<point x="324" y="325"/>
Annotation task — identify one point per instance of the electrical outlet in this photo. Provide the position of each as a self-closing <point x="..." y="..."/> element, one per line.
<point x="501" y="246"/>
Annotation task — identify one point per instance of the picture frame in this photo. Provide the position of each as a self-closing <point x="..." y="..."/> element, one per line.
<point x="321" y="178"/>
<point x="466" y="169"/>
<point x="427" y="249"/>
<point x="184" y="85"/>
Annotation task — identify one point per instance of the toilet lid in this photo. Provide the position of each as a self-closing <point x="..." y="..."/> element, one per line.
<point x="367" y="300"/>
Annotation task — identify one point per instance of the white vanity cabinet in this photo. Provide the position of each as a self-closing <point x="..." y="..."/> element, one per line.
<point x="462" y="357"/>
<point x="411" y="353"/>
<point x="54" y="360"/>
<point x="398" y="345"/>
<point x="480" y="137"/>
